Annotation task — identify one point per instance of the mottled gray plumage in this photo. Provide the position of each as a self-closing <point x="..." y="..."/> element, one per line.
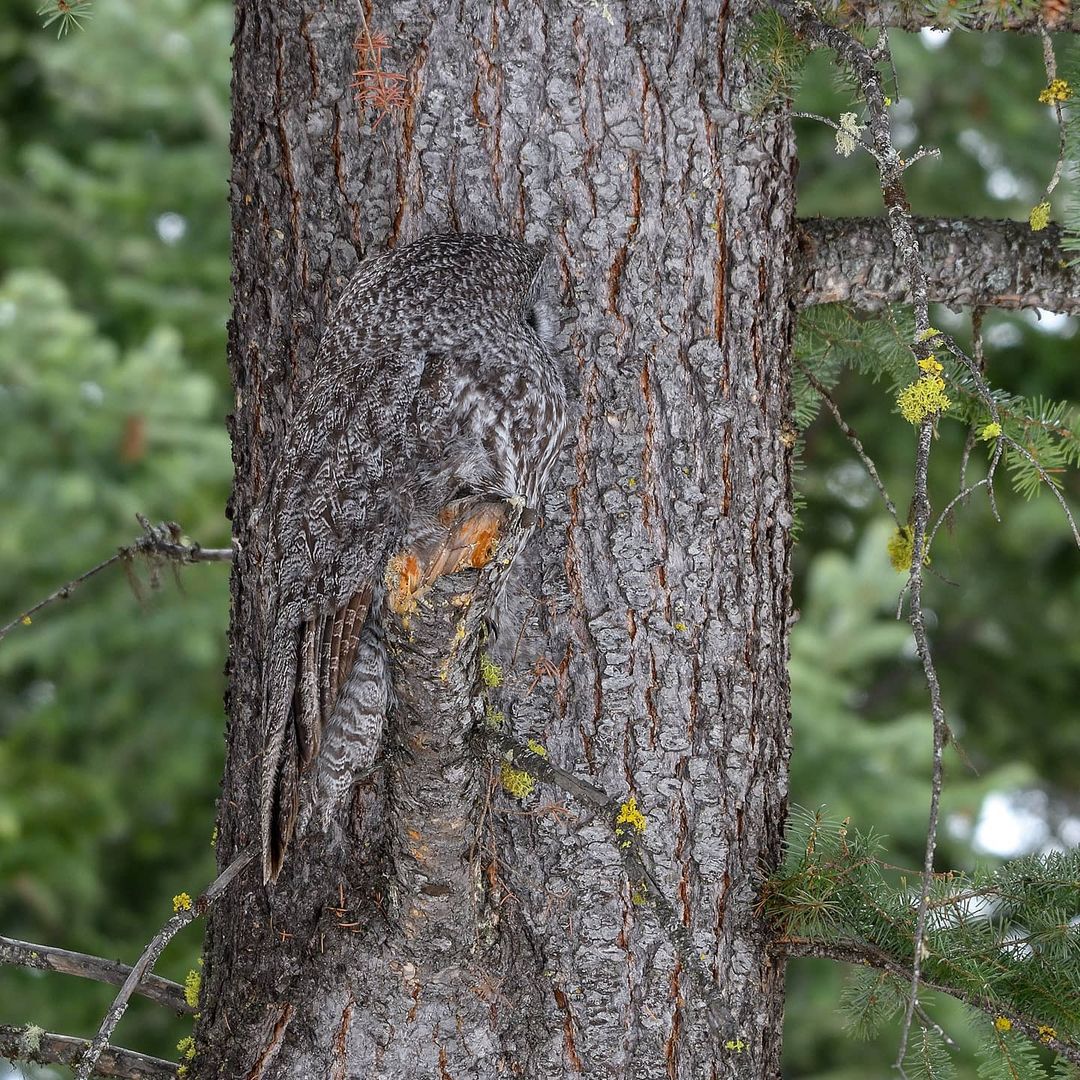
<point x="433" y="383"/>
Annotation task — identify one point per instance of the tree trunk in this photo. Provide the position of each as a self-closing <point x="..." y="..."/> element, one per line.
<point x="450" y="930"/>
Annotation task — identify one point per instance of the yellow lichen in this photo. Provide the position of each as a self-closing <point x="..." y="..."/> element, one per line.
<point x="494" y="717"/>
<point x="537" y="748"/>
<point x="192" y="986"/>
<point x="924" y="398"/>
<point x="181" y="902"/>
<point x="931" y="365"/>
<point x="26" y="620"/>
<point x="186" y="1047"/>
<point x="629" y="822"/>
<point x="901" y="549"/>
<point x="516" y="782"/>
<point x="491" y="674"/>
<point x="640" y="894"/>
<point x="735" y="1044"/>
<point x="928" y="333"/>
<point x="1046" y="1033"/>
<point x="1002" y="1023"/>
<point x="1059" y="90"/>
<point x="1039" y="217"/>
<point x="991" y="431"/>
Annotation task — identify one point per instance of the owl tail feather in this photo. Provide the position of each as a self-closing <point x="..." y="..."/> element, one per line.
<point x="279" y="790"/>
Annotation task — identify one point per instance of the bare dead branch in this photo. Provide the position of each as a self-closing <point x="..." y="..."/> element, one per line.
<point x="45" y="1048"/>
<point x="163" y="542"/>
<point x="866" y="955"/>
<point x="184" y="916"/>
<point x="968" y="262"/>
<point x="48" y="958"/>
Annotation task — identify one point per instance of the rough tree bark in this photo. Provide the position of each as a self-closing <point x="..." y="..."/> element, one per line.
<point x="451" y="931"/>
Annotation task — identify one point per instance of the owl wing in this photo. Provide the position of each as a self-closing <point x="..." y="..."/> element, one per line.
<point x="336" y="512"/>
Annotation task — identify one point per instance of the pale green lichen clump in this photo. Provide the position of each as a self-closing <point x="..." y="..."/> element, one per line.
<point x="901" y="548"/>
<point x="192" y="986"/>
<point x="516" y="782"/>
<point x="491" y="674"/>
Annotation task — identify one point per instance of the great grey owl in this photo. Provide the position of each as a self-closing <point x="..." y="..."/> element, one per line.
<point x="435" y="390"/>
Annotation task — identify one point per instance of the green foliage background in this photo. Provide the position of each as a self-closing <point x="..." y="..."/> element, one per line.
<point x="113" y="392"/>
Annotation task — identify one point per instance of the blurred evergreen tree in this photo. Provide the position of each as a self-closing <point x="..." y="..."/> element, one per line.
<point x="113" y="389"/>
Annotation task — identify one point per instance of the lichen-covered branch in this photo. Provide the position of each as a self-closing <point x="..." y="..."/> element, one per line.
<point x="39" y="1047"/>
<point x="48" y="958"/>
<point x="968" y="263"/>
<point x="637" y="861"/>
<point x="187" y="911"/>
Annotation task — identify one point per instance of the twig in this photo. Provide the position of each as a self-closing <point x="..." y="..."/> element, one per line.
<point x="48" y="958"/>
<point x="44" y="1048"/>
<point x="1050" y="63"/>
<point x="980" y="362"/>
<point x="163" y="541"/>
<point x="828" y="122"/>
<point x="149" y="957"/>
<point x="637" y="861"/>
<point x="866" y="955"/>
<point x="851" y="437"/>
<point x="1045" y="477"/>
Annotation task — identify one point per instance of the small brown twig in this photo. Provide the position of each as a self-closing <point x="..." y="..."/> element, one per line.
<point x="48" y="958"/>
<point x="162" y="542"/>
<point x="89" y="1060"/>
<point x="382" y="90"/>
<point x="40" y="1047"/>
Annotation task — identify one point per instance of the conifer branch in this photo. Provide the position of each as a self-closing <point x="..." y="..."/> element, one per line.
<point x="968" y="263"/>
<point x="163" y="542"/>
<point x="48" y="958"/>
<point x="39" y="1047"/>
<point x="867" y="955"/>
